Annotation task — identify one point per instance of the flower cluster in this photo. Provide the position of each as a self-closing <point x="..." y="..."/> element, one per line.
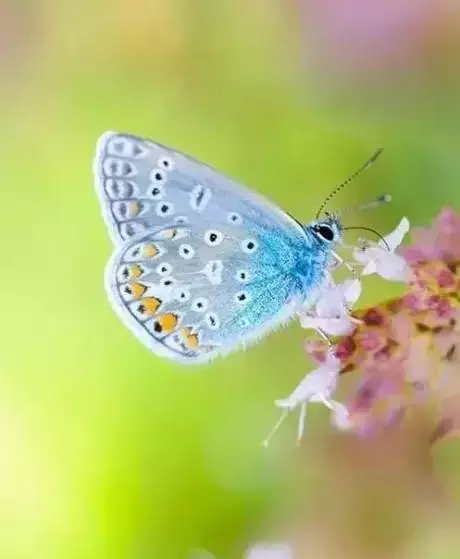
<point x="404" y="351"/>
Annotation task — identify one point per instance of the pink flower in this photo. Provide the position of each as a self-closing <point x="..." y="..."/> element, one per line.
<point x="439" y="242"/>
<point x="406" y="352"/>
<point x="316" y="387"/>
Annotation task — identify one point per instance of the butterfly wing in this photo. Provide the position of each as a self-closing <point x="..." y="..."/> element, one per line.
<point x="203" y="264"/>
<point x="143" y="185"/>
<point x="193" y="292"/>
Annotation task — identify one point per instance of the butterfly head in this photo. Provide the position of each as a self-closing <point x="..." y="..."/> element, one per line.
<point x="327" y="231"/>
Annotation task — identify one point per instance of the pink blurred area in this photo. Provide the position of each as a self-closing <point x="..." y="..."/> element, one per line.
<point x="19" y="33"/>
<point x="359" y="37"/>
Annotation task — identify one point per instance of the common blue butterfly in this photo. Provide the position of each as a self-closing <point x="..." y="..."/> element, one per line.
<point x="201" y="265"/>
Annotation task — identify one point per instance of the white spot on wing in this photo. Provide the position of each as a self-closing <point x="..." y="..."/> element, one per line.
<point x="249" y="246"/>
<point x="200" y="304"/>
<point x="213" y="271"/>
<point x="182" y="295"/>
<point x="235" y="219"/>
<point x="181" y="219"/>
<point x="242" y="276"/>
<point x="212" y="321"/>
<point x="164" y="269"/>
<point x="157" y="191"/>
<point x="241" y="298"/>
<point x="158" y="177"/>
<point x="186" y="251"/>
<point x="168" y="282"/>
<point x="166" y="163"/>
<point x="213" y="238"/>
<point x="126" y="147"/>
<point x="200" y="197"/>
<point x="131" y="228"/>
<point x="118" y="189"/>
<point x="114" y="167"/>
<point x="164" y="209"/>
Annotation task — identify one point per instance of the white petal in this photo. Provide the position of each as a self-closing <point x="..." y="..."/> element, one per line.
<point x="388" y="265"/>
<point x="363" y="255"/>
<point x="270" y="551"/>
<point x="331" y="305"/>
<point x="340" y="416"/>
<point x="395" y="238"/>
<point x="320" y="381"/>
<point x="334" y="301"/>
<point x="369" y="268"/>
<point x="393" y="267"/>
<point x="352" y="291"/>
<point x="308" y="321"/>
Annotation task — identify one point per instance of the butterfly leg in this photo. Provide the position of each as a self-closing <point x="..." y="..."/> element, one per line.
<point x="325" y="337"/>
<point x="342" y="262"/>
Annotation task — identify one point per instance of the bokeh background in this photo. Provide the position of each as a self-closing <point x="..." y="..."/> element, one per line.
<point x="107" y="452"/>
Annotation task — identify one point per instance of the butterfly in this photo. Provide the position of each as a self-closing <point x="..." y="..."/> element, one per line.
<point x="201" y="264"/>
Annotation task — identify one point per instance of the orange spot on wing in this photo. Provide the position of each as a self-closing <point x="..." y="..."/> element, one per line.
<point x="134" y="208"/>
<point x="137" y="290"/>
<point x="190" y="339"/>
<point x="150" y="251"/>
<point x="150" y="306"/>
<point x="168" y="234"/>
<point x="193" y="342"/>
<point x="136" y="271"/>
<point x="167" y="323"/>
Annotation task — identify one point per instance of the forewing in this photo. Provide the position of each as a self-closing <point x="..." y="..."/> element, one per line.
<point x="143" y="185"/>
<point x="193" y="292"/>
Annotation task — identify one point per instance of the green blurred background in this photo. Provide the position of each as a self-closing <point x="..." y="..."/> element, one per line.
<point x="105" y="450"/>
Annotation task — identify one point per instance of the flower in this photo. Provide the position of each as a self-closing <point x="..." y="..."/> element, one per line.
<point x="270" y="551"/>
<point x="331" y="315"/>
<point x="440" y="242"/>
<point x="316" y="387"/>
<point x="381" y="258"/>
<point x="406" y="352"/>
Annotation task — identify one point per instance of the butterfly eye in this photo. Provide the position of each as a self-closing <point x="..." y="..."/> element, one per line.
<point x="325" y="232"/>
<point x="249" y="246"/>
<point x="158" y="177"/>
<point x="166" y="163"/>
<point x="200" y="304"/>
<point x="213" y="238"/>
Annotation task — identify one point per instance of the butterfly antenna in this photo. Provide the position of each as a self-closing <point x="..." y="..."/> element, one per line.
<point x="347" y="181"/>
<point x="372" y="205"/>
<point x="370" y="230"/>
